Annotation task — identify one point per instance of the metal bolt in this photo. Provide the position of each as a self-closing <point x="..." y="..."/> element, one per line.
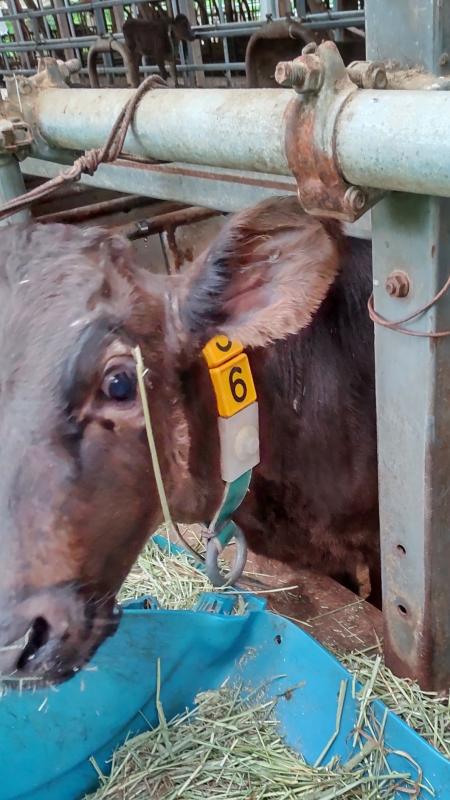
<point x="443" y="59"/>
<point x="397" y="284"/>
<point x="291" y="73"/>
<point x="378" y="78"/>
<point x="355" y="199"/>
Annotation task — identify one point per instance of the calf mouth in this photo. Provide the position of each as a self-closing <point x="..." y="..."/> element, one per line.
<point x="37" y="659"/>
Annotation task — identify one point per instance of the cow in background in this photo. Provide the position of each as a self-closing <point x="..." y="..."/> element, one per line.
<point x="158" y="40"/>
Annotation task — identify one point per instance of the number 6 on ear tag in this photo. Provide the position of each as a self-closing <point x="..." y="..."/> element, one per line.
<point x="233" y="385"/>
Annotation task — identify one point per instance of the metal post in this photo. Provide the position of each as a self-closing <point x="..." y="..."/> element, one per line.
<point x="101" y="30"/>
<point x="11" y="185"/>
<point x="63" y="27"/>
<point x="226" y="52"/>
<point x="300" y="7"/>
<point x="24" y="59"/>
<point x="68" y="16"/>
<point x="412" y="234"/>
<point x="193" y="48"/>
<point x="119" y="17"/>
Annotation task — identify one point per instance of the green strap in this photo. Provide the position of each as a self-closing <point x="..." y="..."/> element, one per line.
<point x="223" y="527"/>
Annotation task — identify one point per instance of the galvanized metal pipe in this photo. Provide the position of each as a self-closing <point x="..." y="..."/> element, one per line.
<point x="235" y="128"/>
<point x="389" y="140"/>
<point x="228" y="30"/>
<point x="328" y="17"/>
<point x="237" y="66"/>
<point x="396" y="140"/>
<point x="11" y="185"/>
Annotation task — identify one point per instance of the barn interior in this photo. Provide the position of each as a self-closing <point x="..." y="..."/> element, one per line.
<point x="343" y="104"/>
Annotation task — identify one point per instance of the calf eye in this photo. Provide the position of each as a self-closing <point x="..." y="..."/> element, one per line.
<point x="120" y="386"/>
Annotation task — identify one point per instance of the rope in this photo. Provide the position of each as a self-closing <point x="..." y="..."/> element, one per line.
<point x="91" y="159"/>
<point x="398" y="324"/>
<point x="174" y="528"/>
<point x="141" y="372"/>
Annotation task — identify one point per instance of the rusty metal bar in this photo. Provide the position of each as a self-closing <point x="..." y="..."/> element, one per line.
<point x="163" y="222"/>
<point x="93" y="210"/>
<point x="106" y="45"/>
<point x="219" y="189"/>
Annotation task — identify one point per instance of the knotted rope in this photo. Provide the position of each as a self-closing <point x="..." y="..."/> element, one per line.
<point x="91" y="159"/>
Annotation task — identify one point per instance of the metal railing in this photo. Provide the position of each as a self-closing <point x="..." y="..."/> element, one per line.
<point x="23" y="48"/>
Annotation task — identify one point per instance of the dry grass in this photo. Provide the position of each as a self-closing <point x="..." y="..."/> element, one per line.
<point x="426" y="712"/>
<point x="229" y="748"/>
<point x="171" y="578"/>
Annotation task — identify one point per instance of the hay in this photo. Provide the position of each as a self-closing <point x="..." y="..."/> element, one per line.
<point x="172" y="578"/>
<point x="426" y="712"/>
<point x="230" y="748"/>
<point x="177" y="584"/>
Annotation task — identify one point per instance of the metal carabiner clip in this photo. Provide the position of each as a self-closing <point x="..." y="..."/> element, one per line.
<point x="215" y="546"/>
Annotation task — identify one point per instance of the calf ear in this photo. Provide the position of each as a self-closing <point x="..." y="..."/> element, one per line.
<point x="264" y="276"/>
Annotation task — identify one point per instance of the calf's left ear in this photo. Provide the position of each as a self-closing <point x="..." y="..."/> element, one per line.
<point x="264" y="276"/>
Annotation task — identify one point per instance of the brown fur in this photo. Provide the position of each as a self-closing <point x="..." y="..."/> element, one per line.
<point x="77" y="494"/>
<point x="156" y="38"/>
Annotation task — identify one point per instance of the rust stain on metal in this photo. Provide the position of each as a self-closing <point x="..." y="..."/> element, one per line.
<point x="192" y="172"/>
<point x="321" y="189"/>
<point x="397" y="284"/>
<point x="87" y="212"/>
<point x="107" y="45"/>
<point x="165" y="222"/>
<point x="179" y="255"/>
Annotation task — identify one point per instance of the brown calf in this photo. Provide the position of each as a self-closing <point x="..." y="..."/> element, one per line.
<point x="77" y="491"/>
<point x="156" y="38"/>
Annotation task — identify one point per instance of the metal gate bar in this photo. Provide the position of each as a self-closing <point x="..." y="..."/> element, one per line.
<point x="246" y="129"/>
<point x="412" y="234"/>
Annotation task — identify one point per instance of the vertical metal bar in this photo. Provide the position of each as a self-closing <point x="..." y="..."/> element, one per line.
<point x="71" y="25"/>
<point x="412" y="233"/>
<point x="17" y="25"/>
<point x="193" y="48"/>
<point x="226" y="52"/>
<point x="11" y="185"/>
<point x="62" y="23"/>
<point x="101" y="30"/>
<point x="35" y="25"/>
<point x="119" y="16"/>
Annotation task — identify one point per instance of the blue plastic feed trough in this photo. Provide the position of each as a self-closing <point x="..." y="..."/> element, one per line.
<point x="48" y="736"/>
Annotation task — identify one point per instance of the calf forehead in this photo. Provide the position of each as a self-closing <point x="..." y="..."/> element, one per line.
<point x="52" y="285"/>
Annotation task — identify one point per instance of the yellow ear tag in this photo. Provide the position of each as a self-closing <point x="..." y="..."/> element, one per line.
<point x="220" y="349"/>
<point x="231" y="375"/>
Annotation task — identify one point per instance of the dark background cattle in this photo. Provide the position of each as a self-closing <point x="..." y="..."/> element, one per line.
<point x="157" y="38"/>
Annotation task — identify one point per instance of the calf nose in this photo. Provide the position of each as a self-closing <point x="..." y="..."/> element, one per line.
<point x="32" y="632"/>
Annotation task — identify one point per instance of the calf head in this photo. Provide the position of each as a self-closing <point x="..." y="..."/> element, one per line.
<point x="181" y="30"/>
<point x="77" y="492"/>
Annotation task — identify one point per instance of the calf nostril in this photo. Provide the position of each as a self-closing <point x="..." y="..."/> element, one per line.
<point x="38" y="637"/>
